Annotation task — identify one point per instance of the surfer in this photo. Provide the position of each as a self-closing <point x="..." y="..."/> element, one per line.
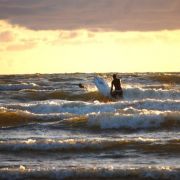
<point x="81" y="85"/>
<point x="117" y="84"/>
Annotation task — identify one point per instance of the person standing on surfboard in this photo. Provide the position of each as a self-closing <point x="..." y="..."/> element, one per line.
<point x="118" y="89"/>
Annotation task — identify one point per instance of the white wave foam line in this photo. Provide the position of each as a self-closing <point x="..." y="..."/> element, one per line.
<point x="62" y="106"/>
<point x="71" y="144"/>
<point x="173" y="105"/>
<point x="33" y="116"/>
<point x="150" y="104"/>
<point x="140" y="93"/>
<point x="16" y="87"/>
<point x="156" y="172"/>
<point x="77" y="144"/>
<point x="82" y="108"/>
<point x="133" y="121"/>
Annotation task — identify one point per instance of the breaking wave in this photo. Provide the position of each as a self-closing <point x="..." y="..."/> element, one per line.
<point x="90" y="145"/>
<point x="167" y="78"/>
<point x="149" y="172"/>
<point x="142" y="93"/>
<point x="143" y="120"/>
<point x="81" y="107"/>
<point x="92" y="115"/>
<point x="30" y="92"/>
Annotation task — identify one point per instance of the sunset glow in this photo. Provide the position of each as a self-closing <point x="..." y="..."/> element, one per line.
<point x="25" y="50"/>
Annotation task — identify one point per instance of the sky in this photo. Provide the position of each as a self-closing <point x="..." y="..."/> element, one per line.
<point x="65" y="36"/>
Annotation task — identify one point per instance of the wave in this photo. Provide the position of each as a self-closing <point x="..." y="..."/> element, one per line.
<point x="91" y="117"/>
<point x="143" y="120"/>
<point x="44" y="89"/>
<point x="61" y="106"/>
<point x="145" y="114"/>
<point x="133" y="115"/>
<point x="58" y="94"/>
<point x="167" y="78"/>
<point x="65" y="79"/>
<point x="14" y="118"/>
<point x="139" y="173"/>
<point x="130" y="93"/>
<point x="82" y="108"/>
<point x="143" y="93"/>
<point x="90" y="145"/>
<point x="17" y="87"/>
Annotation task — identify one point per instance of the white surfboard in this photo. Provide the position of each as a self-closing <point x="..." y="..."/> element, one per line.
<point x="102" y="86"/>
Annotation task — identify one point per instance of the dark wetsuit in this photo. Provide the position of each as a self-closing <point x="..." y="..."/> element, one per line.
<point x="81" y="86"/>
<point x="118" y="90"/>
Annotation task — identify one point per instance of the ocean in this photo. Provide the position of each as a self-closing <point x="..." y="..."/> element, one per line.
<point x="52" y="129"/>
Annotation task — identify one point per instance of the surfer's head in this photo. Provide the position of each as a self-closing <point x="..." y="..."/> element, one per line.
<point x="114" y="76"/>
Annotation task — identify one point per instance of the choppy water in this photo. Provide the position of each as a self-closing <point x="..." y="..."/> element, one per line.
<point x="52" y="129"/>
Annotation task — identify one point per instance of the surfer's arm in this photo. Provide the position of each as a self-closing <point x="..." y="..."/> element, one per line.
<point x="111" y="87"/>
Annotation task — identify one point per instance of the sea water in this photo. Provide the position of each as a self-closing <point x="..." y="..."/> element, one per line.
<point x="52" y="129"/>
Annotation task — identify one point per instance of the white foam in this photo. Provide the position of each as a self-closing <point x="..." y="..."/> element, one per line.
<point x="124" y="115"/>
<point x="83" y="108"/>
<point x="92" y="172"/>
<point x="163" y="105"/>
<point x="140" y="93"/>
<point x="63" y="106"/>
<point x="71" y="144"/>
<point x="141" y="120"/>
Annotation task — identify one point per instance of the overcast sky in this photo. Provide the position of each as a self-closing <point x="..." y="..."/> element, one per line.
<point x="116" y="15"/>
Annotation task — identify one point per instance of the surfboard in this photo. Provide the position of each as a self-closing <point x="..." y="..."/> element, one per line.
<point x="102" y="86"/>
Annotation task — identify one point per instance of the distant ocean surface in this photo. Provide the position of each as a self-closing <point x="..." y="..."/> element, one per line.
<point x="52" y="129"/>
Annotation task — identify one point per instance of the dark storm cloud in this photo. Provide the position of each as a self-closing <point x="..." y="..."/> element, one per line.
<point x="93" y="14"/>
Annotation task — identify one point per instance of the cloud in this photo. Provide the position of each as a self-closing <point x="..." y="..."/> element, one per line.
<point x="116" y="15"/>
<point x="16" y="38"/>
<point x="6" y="36"/>
<point x="20" y="47"/>
<point x="68" y="35"/>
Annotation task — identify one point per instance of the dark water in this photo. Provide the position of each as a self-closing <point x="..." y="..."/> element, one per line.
<point x="52" y="129"/>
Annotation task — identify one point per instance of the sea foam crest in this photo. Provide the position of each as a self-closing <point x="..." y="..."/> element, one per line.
<point x="141" y="93"/>
<point x="62" y="106"/>
<point x="151" y="172"/>
<point x="134" y="121"/>
<point x="90" y="144"/>
<point x="80" y="107"/>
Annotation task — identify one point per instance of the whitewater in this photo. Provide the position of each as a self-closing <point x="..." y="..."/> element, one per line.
<point x="52" y="129"/>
